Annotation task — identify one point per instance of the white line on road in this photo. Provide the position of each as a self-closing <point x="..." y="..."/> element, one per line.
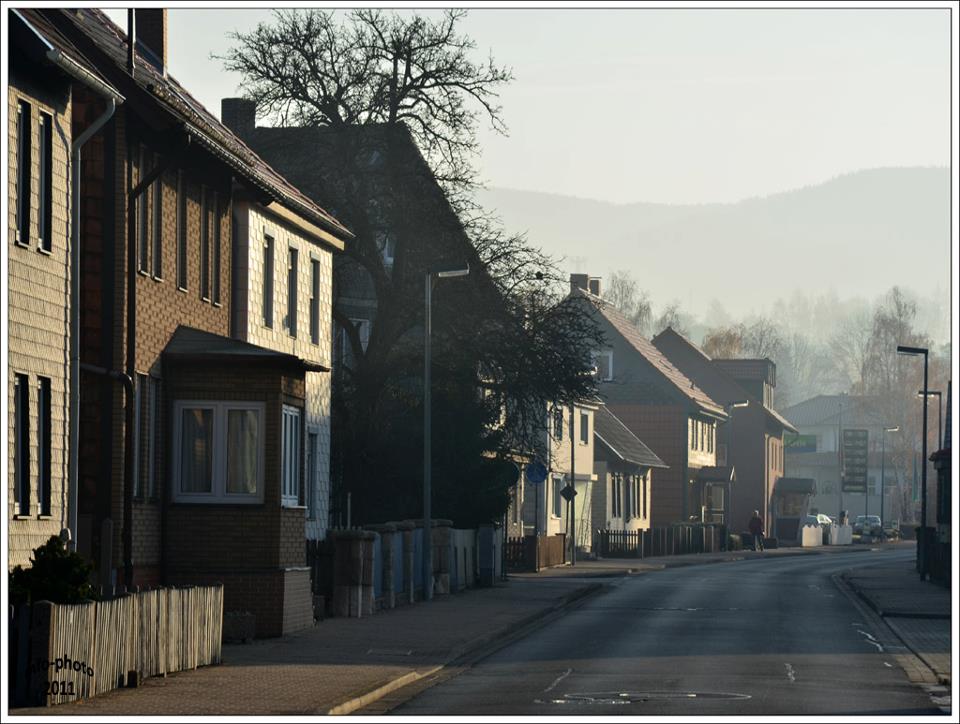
<point x="871" y="640"/>
<point x="560" y="678"/>
<point x="791" y="674"/>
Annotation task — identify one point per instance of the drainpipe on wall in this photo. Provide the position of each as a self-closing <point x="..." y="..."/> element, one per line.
<point x="74" y="442"/>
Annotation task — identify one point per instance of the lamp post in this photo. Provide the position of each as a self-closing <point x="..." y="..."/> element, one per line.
<point x="939" y="395"/>
<point x="427" y="522"/>
<point x="922" y="547"/>
<point x="729" y="408"/>
<point x="883" y="481"/>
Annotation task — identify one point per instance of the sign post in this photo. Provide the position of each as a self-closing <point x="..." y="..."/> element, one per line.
<point x="854" y="461"/>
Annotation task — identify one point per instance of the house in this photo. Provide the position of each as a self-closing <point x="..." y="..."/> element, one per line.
<point x="939" y="548"/>
<point x="664" y="408"/>
<point x="624" y="469"/>
<point x="814" y="453"/>
<point x="192" y="442"/>
<point x="751" y="441"/>
<point x="46" y="72"/>
<point x="375" y="179"/>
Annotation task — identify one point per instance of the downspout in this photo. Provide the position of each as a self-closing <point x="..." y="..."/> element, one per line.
<point x="74" y="443"/>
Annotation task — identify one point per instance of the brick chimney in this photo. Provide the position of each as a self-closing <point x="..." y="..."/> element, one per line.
<point x="579" y="281"/>
<point x="594" y="285"/>
<point x="239" y="115"/>
<point x="151" y="30"/>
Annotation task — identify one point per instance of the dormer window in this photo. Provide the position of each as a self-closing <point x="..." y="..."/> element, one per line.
<point x="603" y="361"/>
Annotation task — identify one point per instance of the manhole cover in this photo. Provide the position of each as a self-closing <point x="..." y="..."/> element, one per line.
<point x="639" y="697"/>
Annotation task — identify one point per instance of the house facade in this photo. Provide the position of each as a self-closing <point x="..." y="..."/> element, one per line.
<point x="752" y="439"/>
<point x="45" y="72"/>
<point x="192" y="442"/>
<point x="665" y="409"/>
<point x="624" y="468"/>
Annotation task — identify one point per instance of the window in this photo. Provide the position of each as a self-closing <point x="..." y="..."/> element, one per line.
<point x="693" y="434"/>
<point x="291" y="456"/>
<point x="204" y="245"/>
<point x="43" y="445"/>
<point x="292" y="291"/>
<point x="557" y="498"/>
<point x="45" y="222"/>
<point x="268" y="281"/>
<point x="710" y="433"/>
<point x="604" y="362"/>
<point x="140" y="207"/>
<point x="156" y="227"/>
<point x="315" y="301"/>
<point x="21" y="458"/>
<point x="643" y="491"/>
<point x="313" y="469"/>
<point x="181" y="232"/>
<point x="628" y="497"/>
<point x="218" y="452"/>
<point x="584" y="428"/>
<point x="24" y="171"/>
<point x="615" y="507"/>
<point x="703" y="435"/>
<point x="215" y="222"/>
<point x="146" y="430"/>
<point x="557" y="422"/>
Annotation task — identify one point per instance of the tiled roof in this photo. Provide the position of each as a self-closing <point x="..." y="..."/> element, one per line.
<point x="716" y="474"/>
<point x="654" y="356"/>
<point x="624" y="444"/>
<point x="210" y="132"/>
<point x="825" y="409"/>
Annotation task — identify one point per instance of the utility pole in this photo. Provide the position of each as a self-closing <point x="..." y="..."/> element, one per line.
<point x="573" y="489"/>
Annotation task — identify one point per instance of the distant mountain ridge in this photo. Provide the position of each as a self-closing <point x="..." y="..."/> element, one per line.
<point x="858" y="234"/>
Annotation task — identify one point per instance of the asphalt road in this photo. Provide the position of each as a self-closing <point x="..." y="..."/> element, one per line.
<point x="748" y="638"/>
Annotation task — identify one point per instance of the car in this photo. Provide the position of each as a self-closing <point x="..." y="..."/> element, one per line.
<point x="867" y="525"/>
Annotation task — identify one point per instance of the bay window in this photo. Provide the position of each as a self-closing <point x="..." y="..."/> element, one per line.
<point x="218" y="452"/>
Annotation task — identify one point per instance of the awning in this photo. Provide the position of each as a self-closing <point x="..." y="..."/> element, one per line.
<point x="717" y="474"/>
<point x="802" y="486"/>
<point x="196" y="345"/>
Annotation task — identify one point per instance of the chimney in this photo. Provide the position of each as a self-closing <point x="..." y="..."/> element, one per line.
<point x="239" y="115"/>
<point x="579" y="281"/>
<point x="151" y="30"/>
<point x="595" y="286"/>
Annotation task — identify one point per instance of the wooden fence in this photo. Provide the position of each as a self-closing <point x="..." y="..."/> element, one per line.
<point x="533" y="553"/>
<point x="664" y="541"/>
<point x="70" y="652"/>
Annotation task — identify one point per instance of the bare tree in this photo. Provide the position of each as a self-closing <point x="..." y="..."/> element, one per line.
<point x="724" y="342"/>
<point x="674" y="317"/>
<point x="625" y="294"/>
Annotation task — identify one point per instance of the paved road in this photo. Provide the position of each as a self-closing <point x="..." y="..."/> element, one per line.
<point x="756" y="637"/>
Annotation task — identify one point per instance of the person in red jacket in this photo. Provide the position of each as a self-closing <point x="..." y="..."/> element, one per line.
<point x="756" y="530"/>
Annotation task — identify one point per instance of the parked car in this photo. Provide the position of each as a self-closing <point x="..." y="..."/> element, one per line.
<point x="867" y="525"/>
<point x="824" y="519"/>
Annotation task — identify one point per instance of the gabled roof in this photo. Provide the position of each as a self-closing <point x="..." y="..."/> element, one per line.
<point x="826" y="410"/>
<point x="673" y="376"/>
<point x="608" y="428"/>
<point x="194" y="344"/>
<point x="715" y="379"/>
<point x="197" y="121"/>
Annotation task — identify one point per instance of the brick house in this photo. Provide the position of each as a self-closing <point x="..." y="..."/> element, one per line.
<point x="188" y="436"/>
<point x="752" y="439"/>
<point x="45" y="73"/>
<point x="624" y="470"/>
<point x="662" y="407"/>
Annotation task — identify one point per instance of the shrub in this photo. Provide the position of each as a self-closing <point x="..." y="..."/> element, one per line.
<point x="57" y="575"/>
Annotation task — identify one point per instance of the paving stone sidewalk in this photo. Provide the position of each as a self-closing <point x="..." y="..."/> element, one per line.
<point x="339" y="659"/>
<point x="918" y="612"/>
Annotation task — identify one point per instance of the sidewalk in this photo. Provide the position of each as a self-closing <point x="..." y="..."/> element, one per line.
<point x="338" y="663"/>
<point x="918" y="612"/>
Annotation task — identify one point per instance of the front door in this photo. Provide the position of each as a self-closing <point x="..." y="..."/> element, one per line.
<point x="714" y="503"/>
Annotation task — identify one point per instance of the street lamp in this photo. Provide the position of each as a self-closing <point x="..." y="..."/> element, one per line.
<point x="939" y="395"/>
<point x="728" y="408"/>
<point x="922" y="548"/>
<point x="427" y="522"/>
<point x="883" y="480"/>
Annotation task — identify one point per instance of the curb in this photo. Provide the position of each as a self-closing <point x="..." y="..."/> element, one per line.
<point x="359" y="702"/>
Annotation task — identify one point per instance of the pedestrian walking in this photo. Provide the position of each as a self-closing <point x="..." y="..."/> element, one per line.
<point x="755" y="526"/>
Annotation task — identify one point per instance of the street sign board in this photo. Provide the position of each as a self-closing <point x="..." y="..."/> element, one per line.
<point x="795" y="443"/>
<point x="854" y="461"/>
<point x="569" y="493"/>
<point x="536" y="472"/>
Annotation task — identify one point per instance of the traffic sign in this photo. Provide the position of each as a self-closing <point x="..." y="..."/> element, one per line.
<point x="569" y="493"/>
<point x="536" y="472"/>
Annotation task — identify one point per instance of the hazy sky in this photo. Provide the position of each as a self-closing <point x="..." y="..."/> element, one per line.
<point x="678" y="105"/>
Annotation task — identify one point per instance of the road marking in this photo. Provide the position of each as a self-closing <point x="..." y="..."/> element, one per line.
<point x="871" y="640"/>
<point x="888" y="665"/>
<point x="556" y="681"/>
<point x="791" y="674"/>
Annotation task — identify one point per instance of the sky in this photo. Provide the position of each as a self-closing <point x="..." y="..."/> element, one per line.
<point x="676" y="105"/>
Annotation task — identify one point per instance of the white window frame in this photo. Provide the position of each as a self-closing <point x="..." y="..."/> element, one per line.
<point x="290" y="488"/>
<point x="313" y="472"/>
<point x="557" y="481"/>
<point x="218" y="490"/>
<point x="608" y="354"/>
